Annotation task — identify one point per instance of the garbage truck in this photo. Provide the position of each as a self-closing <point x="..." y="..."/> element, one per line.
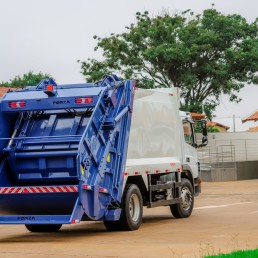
<point x="94" y="151"/>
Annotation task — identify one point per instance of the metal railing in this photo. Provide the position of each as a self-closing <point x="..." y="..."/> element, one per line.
<point x="244" y="149"/>
<point x="222" y="156"/>
<point x="225" y="153"/>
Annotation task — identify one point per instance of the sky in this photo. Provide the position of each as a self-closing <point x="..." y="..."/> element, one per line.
<point x="49" y="36"/>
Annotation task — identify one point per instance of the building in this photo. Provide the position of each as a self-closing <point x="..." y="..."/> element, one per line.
<point x="252" y="117"/>
<point x="253" y="129"/>
<point x="197" y="116"/>
<point x="4" y="90"/>
<point x="221" y="128"/>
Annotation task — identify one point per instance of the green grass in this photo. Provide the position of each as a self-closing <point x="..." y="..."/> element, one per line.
<point x="237" y="254"/>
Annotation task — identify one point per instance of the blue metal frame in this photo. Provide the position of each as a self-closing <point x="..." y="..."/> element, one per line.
<point x="106" y="137"/>
<point x="55" y="141"/>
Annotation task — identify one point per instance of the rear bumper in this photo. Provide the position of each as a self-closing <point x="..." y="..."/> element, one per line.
<point x="40" y="205"/>
<point x="37" y="219"/>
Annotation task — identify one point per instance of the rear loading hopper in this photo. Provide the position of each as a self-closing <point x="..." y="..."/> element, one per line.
<point x="63" y="150"/>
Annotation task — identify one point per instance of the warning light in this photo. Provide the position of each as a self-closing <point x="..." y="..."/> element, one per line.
<point x="17" y="104"/>
<point x="49" y="88"/>
<point x="86" y="100"/>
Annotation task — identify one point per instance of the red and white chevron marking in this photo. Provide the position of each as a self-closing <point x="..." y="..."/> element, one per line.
<point x="39" y="189"/>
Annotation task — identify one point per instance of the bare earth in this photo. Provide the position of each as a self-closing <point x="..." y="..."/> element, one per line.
<point x="225" y="219"/>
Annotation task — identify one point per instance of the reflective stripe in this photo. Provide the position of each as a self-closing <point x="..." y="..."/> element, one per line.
<point x="74" y="189"/>
<point x="17" y="190"/>
<point x="60" y="190"/>
<point x="39" y="189"/>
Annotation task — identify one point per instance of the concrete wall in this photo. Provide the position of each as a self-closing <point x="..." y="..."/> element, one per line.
<point x="244" y="170"/>
<point x="219" y="175"/>
<point x="247" y="170"/>
<point x="229" y="156"/>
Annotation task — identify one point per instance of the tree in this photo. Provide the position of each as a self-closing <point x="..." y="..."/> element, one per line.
<point x="28" y="79"/>
<point x="205" y="55"/>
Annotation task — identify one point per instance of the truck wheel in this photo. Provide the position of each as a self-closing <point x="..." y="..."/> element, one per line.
<point x="44" y="227"/>
<point x="185" y="208"/>
<point x="112" y="225"/>
<point x="132" y="209"/>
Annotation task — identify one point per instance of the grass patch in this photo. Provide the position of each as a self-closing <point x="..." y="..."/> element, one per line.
<point x="237" y="254"/>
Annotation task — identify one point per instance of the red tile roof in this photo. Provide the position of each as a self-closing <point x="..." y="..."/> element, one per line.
<point x="197" y="116"/>
<point x="252" y="117"/>
<point x="3" y="90"/>
<point x="209" y="123"/>
<point x="253" y="129"/>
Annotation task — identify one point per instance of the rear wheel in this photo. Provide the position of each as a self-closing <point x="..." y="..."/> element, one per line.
<point x="112" y="225"/>
<point x="185" y="208"/>
<point x="44" y="227"/>
<point x="132" y="209"/>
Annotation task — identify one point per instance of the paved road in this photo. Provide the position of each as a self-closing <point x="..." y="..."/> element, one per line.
<point x="225" y="218"/>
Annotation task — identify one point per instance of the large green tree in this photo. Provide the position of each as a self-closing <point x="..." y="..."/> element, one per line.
<point x="27" y="79"/>
<point x="205" y="55"/>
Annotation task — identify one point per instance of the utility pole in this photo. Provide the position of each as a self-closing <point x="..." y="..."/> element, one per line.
<point x="234" y="123"/>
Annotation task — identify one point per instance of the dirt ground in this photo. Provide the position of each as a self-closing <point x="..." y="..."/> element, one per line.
<point x="225" y="219"/>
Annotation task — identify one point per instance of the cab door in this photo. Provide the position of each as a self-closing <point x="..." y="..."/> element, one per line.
<point x="190" y="153"/>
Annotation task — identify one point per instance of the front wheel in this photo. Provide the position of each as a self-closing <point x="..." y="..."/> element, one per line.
<point x="43" y="227"/>
<point x="132" y="210"/>
<point x="185" y="208"/>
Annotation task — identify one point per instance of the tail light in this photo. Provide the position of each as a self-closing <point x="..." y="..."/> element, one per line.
<point x="87" y="100"/>
<point x="17" y="104"/>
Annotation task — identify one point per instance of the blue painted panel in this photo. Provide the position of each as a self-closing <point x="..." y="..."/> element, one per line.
<point x="37" y="204"/>
<point x="59" y="144"/>
<point x="36" y="219"/>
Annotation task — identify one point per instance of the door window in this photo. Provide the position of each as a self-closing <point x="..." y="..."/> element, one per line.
<point x="188" y="133"/>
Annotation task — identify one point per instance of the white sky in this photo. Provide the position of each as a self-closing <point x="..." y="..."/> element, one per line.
<point x="49" y="36"/>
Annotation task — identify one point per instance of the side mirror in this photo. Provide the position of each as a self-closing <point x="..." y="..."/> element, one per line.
<point x="204" y="140"/>
<point x="204" y="128"/>
<point x="204" y="134"/>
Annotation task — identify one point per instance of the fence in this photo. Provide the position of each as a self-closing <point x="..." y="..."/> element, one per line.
<point x="225" y="153"/>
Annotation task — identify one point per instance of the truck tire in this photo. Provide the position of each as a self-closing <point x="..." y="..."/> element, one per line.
<point x="185" y="208"/>
<point x="132" y="209"/>
<point x="43" y="227"/>
<point x="112" y="225"/>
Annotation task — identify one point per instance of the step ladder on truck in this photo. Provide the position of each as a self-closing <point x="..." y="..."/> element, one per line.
<point x="93" y="151"/>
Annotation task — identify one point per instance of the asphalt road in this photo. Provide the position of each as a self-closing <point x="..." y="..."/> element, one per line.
<point x="225" y="219"/>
